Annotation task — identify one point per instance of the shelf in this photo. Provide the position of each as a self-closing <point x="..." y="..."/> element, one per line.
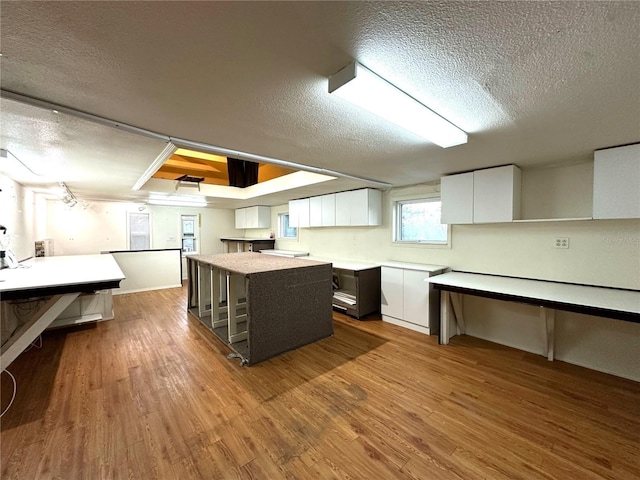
<point x="346" y="297"/>
<point x="531" y="220"/>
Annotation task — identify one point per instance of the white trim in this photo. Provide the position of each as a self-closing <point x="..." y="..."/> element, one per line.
<point x="409" y="325"/>
<point x="129" y="213"/>
<point x="395" y="202"/>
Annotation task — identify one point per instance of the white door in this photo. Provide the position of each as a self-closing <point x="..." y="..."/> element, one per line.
<point x="416" y="297"/>
<point x="391" y="298"/>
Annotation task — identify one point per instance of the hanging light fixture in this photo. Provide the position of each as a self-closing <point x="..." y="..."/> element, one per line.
<point x="367" y="90"/>
<point x="66" y="196"/>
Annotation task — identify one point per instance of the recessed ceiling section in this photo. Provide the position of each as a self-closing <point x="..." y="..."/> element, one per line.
<point x="275" y="185"/>
<point x="211" y="168"/>
<point x="200" y="173"/>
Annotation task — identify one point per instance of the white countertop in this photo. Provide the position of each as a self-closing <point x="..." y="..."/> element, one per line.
<point x="284" y="253"/>
<point x="243" y="239"/>
<point x="549" y="291"/>
<point x="345" y="264"/>
<point x="43" y="272"/>
<point x="421" y="267"/>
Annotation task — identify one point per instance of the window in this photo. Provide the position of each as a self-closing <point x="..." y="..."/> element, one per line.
<point x="139" y="231"/>
<point x="284" y="230"/>
<point x="189" y="240"/>
<point x="418" y="221"/>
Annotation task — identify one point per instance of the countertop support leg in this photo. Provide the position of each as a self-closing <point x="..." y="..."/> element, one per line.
<point x="233" y="286"/>
<point x="203" y="271"/>
<point x="215" y="298"/>
<point x="549" y="317"/>
<point x="456" y="303"/>
<point x="445" y="313"/>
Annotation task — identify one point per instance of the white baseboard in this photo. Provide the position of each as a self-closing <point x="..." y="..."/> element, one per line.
<point x="405" y="324"/>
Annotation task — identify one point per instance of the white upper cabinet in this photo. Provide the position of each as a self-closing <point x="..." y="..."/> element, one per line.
<point x="328" y="210"/>
<point x="483" y="196"/>
<point x="345" y="209"/>
<point x="253" y="217"/>
<point x="456" y="193"/>
<point x="359" y="208"/>
<point x="315" y="212"/>
<point x="616" y="182"/>
<point x="241" y="217"/>
<point x="496" y="194"/>
<point x="322" y="211"/>
<point x="299" y="213"/>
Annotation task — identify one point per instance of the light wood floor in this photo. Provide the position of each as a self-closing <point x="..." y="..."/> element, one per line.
<point x="152" y="395"/>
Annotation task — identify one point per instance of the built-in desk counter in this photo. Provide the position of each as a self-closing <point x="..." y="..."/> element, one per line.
<point x="287" y="301"/>
<point x="51" y="284"/>
<point x="614" y="303"/>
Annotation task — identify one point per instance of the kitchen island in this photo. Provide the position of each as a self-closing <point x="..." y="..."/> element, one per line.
<point x="274" y="304"/>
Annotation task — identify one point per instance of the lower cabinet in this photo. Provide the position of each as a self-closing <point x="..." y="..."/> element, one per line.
<point x="356" y="286"/>
<point x="407" y="297"/>
<point x="356" y="289"/>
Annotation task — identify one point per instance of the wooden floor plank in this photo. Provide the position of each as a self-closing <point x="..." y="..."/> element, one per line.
<point x="151" y="394"/>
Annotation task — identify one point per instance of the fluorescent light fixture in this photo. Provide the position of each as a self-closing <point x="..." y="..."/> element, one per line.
<point x="363" y="88"/>
<point x="177" y="200"/>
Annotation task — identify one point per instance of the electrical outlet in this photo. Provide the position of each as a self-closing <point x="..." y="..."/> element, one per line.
<point x="561" y="242"/>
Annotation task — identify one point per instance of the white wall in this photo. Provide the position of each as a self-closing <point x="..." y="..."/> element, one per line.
<point x="102" y="226"/>
<point x="602" y="252"/>
<point x="17" y="213"/>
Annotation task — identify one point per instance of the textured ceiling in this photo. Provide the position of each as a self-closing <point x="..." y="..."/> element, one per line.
<point x="533" y="83"/>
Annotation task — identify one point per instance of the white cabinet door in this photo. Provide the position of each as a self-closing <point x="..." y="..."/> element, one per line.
<point x="299" y="213"/>
<point x="343" y="209"/>
<point x="241" y="218"/>
<point x="253" y="217"/>
<point x="293" y="213"/>
<point x="303" y="213"/>
<point x="328" y="207"/>
<point x="416" y="297"/>
<point x="616" y="182"/>
<point x="315" y="212"/>
<point x="264" y="217"/>
<point x="359" y="208"/>
<point x="374" y="207"/>
<point x="496" y="194"/>
<point x="391" y="300"/>
<point x="456" y="193"/>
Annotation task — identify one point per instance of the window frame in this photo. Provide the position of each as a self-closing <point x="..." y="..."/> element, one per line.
<point x="396" y="230"/>
<point x="190" y="236"/>
<point x="129" y="232"/>
<point x="280" y="235"/>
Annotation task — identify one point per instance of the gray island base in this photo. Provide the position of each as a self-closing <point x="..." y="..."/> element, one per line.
<point x="261" y="305"/>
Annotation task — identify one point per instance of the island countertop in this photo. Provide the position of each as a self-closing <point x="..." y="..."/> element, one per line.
<point x="247" y="263"/>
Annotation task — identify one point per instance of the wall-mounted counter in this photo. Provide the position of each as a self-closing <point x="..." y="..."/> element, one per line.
<point x="242" y="244"/>
<point x="287" y="304"/>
